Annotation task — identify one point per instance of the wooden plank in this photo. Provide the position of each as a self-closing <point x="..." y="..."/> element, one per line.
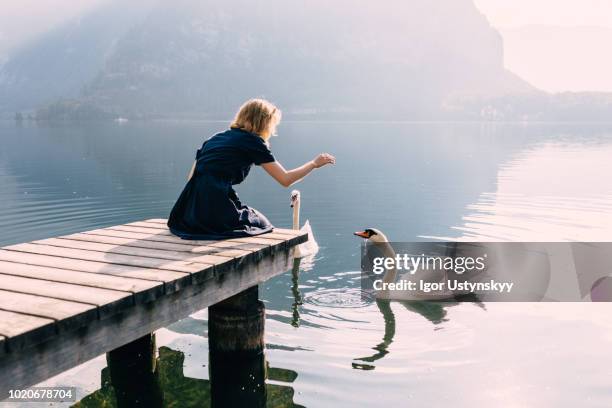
<point x="18" y="370"/>
<point x="277" y="233"/>
<point x="68" y="315"/>
<point x="165" y="236"/>
<point x="219" y="250"/>
<point x="192" y="256"/>
<point x="156" y="241"/>
<point x="192" y="253"/>
<point x="143" y="230"/>
<point x="109" y="258"/>
<point x="258" y="240"/>
<point x="199" y="265"/>
<point x="143" y="290"/>
<point x="20" y="328"/>
<point x="149" y="225"/>
<point x="285" y="231"/>
<point x="108" y="301"/>
<point x="153" y="233"/>
<point x="136" y="251"/>
<point x="155" y="229"/>
<point x="147" y="236"/>
<point x="158" y="221"/>
<point x="140" y="243"/>
<point x="237" y="245"/>
<point x="254" y="243"/>
<point x="172" y="280"/>
<point x="161" y="223"/>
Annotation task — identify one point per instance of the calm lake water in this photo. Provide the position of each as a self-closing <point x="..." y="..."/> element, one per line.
<point x="328" y="347"/>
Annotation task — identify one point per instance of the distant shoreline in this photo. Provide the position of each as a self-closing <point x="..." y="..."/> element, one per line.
<point x="322" y="121"/>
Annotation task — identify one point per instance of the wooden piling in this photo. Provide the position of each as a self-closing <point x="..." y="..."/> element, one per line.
<point x="236" y="351"/>
<point x="133" y="374"/>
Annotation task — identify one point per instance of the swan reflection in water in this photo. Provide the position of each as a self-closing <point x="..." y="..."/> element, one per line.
<point x="431" y="307"/>
<point x="433" y="311"/>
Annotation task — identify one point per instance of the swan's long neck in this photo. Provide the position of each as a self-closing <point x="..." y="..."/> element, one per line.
<point x="388" y="251"/>
<point x="296" y="215"/>
<point x="391" y="273"/>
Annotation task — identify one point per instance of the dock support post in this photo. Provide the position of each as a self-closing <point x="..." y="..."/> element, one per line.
<point x="132" y="373"/>
<point x="236" y="351"/>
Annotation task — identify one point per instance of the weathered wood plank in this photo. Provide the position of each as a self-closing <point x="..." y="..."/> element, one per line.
<point x="57" y="354"/>
<point x="146" y="224"/>
<point x="238" y="245"/>
<point x="143" y="290"/>
<point x="108" y="301"/>
<point x="68" y="315"/>
<point x="161" y="223"/>
<point x="109" y="258"/>
<point x="140" y="239"/>
<point x="146" y="236"/>
<point x="277" y="233"/>
<point x="172" y="280"/>
<point x="128" y="250"/>
<point x="285" y="231"/>
<point x="13" y="324"/>
<point x="237" y="242"/>
<point x="158" y="221"/>
<point x="141" y="243"/>
<point x="258" y="240"/>
<point x="218" y="258"/>
<point x="146" y="228"/>
<point x="267" y="242"/>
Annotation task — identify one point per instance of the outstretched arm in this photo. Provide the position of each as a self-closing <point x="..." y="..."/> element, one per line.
<point x="288" y="177"/>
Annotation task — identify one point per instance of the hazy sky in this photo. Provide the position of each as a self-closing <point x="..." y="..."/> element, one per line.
<point x="21" y="20"/>
<point x="555" y="59"/>
<point x="513" y="13"/>
<point x="571" y="54"/>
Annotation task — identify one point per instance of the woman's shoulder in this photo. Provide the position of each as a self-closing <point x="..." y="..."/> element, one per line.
<point x="238" y="138"/>
<point x="247" y="137"/>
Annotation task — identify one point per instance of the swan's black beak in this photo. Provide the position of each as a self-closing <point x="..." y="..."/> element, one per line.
<point x="362" y="234"/>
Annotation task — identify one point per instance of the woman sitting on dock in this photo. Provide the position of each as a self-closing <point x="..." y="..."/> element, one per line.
<point x="208" y="207"/>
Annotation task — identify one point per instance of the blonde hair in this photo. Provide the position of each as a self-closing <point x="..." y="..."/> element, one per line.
<point x="258" y="116"/>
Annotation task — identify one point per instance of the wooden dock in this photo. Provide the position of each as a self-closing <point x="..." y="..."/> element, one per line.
<point x="66" y="300"/>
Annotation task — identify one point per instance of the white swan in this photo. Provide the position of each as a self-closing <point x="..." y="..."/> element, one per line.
<point x="309" y="247"/>
<point x="376" y="236"/>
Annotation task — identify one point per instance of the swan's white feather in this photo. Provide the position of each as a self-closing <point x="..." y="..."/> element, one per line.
<point x="309" y="247"/>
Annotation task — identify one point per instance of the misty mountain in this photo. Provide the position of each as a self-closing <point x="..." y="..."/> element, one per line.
<point x="349" y="58"/>
<point x="58" y="63"/>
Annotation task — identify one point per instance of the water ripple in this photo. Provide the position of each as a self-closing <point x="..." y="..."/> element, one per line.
<point x="339" y="298"/>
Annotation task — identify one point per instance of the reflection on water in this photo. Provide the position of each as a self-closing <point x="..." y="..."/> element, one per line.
<point x="475" y="181"/>
<point x="339" y="298"/>
<point x="550" y="192"/>
<point x="178" y="390"/>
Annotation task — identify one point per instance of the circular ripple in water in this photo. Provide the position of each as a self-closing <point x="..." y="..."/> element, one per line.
<point x="339" y="298"/>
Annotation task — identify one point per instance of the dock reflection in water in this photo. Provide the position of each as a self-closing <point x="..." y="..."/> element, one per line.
<point x="177" y="390"/>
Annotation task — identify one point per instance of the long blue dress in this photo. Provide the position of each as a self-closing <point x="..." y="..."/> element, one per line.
<point x="208" y="207"/>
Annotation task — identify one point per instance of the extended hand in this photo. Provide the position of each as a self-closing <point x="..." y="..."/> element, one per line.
<point x="323" y="159"/>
